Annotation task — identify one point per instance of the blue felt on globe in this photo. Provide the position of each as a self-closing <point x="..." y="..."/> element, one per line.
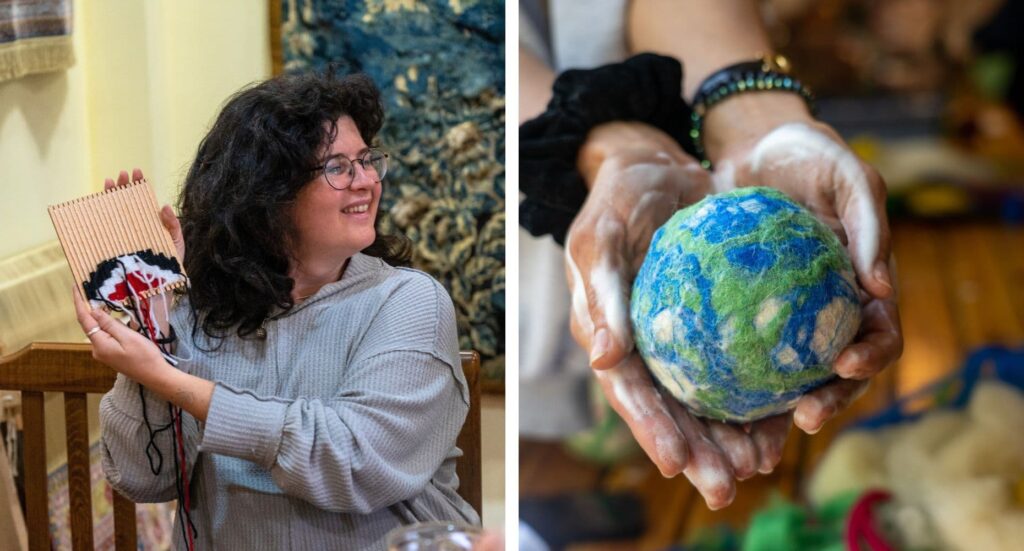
<point x="743" y="303"/>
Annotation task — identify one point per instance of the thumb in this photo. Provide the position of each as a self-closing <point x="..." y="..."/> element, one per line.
<point x="608" y="298"/>
<point x="600" y="311"/>
<point x="173" y="227"/>
<point x="109" y="339"/>
<point x="110" y="326"/>
<point x="862" y="212"/>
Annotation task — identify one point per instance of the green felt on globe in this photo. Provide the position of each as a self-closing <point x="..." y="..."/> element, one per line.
<point x="743" y="303"/>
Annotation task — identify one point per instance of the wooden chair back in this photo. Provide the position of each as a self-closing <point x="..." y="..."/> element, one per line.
<point x="469" y="467"/>
<point x="70" y="369"/>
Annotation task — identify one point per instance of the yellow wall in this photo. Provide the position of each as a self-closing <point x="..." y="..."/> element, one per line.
<point x="149" y="79"/>
<point x="43" y="151"/>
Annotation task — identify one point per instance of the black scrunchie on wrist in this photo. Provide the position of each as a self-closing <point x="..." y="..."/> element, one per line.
<point x="645" y="88"/>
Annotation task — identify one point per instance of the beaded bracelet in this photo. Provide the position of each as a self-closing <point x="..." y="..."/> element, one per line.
<point x="768" y="73"/>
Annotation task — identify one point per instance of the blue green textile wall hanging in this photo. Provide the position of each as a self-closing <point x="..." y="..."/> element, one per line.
<point x="440" y="65"/>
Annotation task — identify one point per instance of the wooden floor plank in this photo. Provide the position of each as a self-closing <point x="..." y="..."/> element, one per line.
<point x="982" y="303"/>
<point x="1011" y="247"/>
<point x="995" y="264"/>
<point x="932" y="343"/>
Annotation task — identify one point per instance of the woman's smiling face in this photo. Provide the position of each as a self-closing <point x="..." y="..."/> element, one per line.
<point x="332" y="222"/>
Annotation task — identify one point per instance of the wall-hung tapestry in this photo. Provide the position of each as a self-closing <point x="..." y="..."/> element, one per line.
<point x="35" y="37"/>
<point x="440" y="65"/>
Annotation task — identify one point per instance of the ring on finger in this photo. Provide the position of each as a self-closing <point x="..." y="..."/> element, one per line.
<point x="92" y="331"/>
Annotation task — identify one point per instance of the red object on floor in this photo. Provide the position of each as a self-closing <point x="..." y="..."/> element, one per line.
<point x="860" y="526"/>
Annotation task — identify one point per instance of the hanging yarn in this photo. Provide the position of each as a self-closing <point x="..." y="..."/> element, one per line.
<point x="742" y="304"/>
<point x="127" y="284"/>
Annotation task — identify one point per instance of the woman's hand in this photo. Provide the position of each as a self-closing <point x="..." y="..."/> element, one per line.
<point x="769" y="139"/>
<point x="135" y="356"/>
<point x="878" y="344"/>
<point x="167" y="216"/>
<point x="118" y="346"/>
<point x="638" y="178"/>
<point x="711" y="454"/>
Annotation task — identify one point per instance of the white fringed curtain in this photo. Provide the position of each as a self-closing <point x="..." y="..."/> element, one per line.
<point x="35" y="37"/>
<point x="35" y="299"/>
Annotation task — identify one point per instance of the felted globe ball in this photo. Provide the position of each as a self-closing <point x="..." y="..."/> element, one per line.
<point x="743" y="303"/>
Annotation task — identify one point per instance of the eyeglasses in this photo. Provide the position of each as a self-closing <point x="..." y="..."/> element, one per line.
<point x="340" y="171"/>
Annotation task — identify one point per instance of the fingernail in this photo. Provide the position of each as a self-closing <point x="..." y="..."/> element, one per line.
<point x="881" y="274"/>
<point x="850" y="362"/>
<point x="804" y="421"/>
<point x="600" y="347"/>
<point x="671" y="471"/>
<point x="718" y="504"/>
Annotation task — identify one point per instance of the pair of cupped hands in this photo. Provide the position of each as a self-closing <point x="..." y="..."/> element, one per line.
<point x="638" y="178"/>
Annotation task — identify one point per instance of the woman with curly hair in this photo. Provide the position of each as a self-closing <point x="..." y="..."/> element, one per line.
<point x="321" y="379"/>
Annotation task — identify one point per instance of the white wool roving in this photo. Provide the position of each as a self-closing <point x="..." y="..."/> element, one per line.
<point x="955" y="476"/>
<point x="990" y="445"/>
<point x="998" y="406"/>
<point x="976" y="513"/>
<point x="912" y="454"/>
<point x="854" y="461"/>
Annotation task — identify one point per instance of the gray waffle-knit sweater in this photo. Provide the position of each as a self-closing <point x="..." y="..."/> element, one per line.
<point x="336" y="428"/>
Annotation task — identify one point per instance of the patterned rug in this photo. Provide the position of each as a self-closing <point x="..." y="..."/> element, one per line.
<point x="440" y="65"/>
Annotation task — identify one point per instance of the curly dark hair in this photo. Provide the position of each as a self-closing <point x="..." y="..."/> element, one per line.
<point x="248" y="169"/>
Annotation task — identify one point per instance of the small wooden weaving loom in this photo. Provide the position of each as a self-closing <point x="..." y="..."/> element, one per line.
<point x="122" y="257"/>
<point x="118" y="230"/>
